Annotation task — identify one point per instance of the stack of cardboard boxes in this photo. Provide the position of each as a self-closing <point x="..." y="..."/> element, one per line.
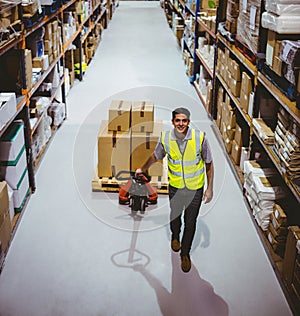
<point x="291" y="264"/>
<point x="277" y="231"/>
<point x="13" y="163"/>
<point x="128" y="138"/>
<point x="232" y="13"/>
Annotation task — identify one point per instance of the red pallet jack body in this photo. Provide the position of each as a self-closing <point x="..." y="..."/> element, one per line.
<point x="137" y="192"/>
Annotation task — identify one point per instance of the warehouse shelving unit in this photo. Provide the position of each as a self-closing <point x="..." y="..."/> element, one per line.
<point x="263" y="86"/>
<point x="100" y="13"/>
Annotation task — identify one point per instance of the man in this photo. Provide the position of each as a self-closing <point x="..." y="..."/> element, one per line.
<point x="189" y="157"/>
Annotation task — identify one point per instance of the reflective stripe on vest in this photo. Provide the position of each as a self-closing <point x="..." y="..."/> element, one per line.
<point x="185" y="170"/>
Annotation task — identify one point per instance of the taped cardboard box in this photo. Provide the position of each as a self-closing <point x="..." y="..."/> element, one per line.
<point x="142" y="116"/>
<point x="235" y="152"/>
<point x="5" y="232"/>
<point x="113" y="151"/>
<point x="119" y="115"/>
<point x="143" y="145"/>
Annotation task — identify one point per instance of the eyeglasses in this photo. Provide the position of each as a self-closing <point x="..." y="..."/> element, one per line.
<point x="179" y="120"/>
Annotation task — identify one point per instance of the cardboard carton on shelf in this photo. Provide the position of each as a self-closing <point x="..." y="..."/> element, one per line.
<point x="119" y="115"/>
<point x="142" y="116"/>
<point x="113" y="151"/>
<point x="236" y="152"/>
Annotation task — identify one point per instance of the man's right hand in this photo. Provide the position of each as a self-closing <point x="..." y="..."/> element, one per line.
<point x="138" y="172"/>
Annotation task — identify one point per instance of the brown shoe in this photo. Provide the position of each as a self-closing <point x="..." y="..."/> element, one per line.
<point x="175" y="245"/>
<point x="186" y="263"/>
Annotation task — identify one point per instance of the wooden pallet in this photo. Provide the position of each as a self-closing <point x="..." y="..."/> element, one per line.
<point x="110" y="184"/>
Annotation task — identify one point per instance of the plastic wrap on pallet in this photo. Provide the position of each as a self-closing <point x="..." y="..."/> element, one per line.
<point x="283" y="24"/>
<point x="290" y="52"/>
<point x="292" y="8"/>
<point x="248" y="24"/>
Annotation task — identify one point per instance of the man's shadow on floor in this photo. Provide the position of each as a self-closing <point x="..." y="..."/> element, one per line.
<point x="189" y="295"/>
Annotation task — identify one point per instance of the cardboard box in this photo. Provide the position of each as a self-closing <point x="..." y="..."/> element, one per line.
<point x="277" y="246"/>
<point x="12" y="142"/>
<point x="238" y="137"/>
<point x="48" y="32"/>
<point x="280" y="215"/>
<point x="28" y="68"/>
<point x="276" y="234"/>
<point x="41" y="62"/>
<point x="143" y="145"/>
<point x="236" y="152"/>
<point x="8" y="107"/>
<point x="228" y="145"/>
<point x="290" y="254"/>
<point x="12" y="171"/>
<point x="119" y="115"/>
<point x="218" y="120"/>
<point x="244" y="101"/>
<point x="4" y="201"/>
<point x="113" y="151"/>
<point x="235" y="87"/>
<point x="48" y="47"/>
<point x="21" y="192"/>
<point x="235" y="70"/>
<point x="277" y="66"/>
<point x="5" y="233"/>
<point x="280" y="230"/>
<point x="142" y="116"/>
<point x="246" y="84"/>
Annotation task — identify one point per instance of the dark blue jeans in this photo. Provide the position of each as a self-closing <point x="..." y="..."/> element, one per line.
<point x="189" y="202"/>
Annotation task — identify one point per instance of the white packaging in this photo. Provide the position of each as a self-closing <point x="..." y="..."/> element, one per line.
<point x="21" y="192"/>
<point x="57" y="113"/>
<point x="13" y="173"/>
<point x="8" y="107"/>
<point x="12" y="141"/>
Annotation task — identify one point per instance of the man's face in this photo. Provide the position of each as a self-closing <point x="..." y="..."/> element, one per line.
<point x="181" y="123"/>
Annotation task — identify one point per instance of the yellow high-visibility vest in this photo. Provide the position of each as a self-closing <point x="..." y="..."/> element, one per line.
<point x="185" y="170"/>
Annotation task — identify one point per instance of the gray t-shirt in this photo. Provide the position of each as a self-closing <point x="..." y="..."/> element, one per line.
<point x="160" y="153"/>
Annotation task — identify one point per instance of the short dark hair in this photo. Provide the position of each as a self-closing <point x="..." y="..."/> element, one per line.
<point x="181" y="111"/>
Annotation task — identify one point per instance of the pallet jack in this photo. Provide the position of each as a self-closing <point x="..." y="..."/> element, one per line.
<point x="137" y="192"/>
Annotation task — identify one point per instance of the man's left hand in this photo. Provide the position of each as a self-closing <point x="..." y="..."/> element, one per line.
<point x="207" y="196"/>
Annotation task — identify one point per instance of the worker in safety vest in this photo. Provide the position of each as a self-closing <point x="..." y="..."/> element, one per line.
<point x="189" y="164"/>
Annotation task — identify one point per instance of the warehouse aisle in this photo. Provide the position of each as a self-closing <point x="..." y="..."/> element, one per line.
<point x="77" y="252"/>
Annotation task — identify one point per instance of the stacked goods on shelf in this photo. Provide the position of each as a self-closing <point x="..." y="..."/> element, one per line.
<point x="232" y="14"/>
<point x="144" y="136"/>
<point x="277" y="230"/>
<point x="226" y="120"/>
<point x="246" y="94"/>
<point x="13" y="163"/>
<point x="10" y="24"/>
<point x="208" y="12"/>
<point x="264" y="131"/>
<point x="263" y="188"/>
<point x="206" y="49"/>
<point x="31" y="12"/>
<point x="287" y="145"/>
<point x="11" y="76"/>
<point x="248" y="24"/>
<point x="128" y="138"/>
<point x="5" y="221"/>
<point x="237" y="143"/>
<point x="282" y="16"/>
<point x="8" y="108"/>
<point x="291" y="264"/>
<point x="189" y="63"/>
<point x="205" y="84"/>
